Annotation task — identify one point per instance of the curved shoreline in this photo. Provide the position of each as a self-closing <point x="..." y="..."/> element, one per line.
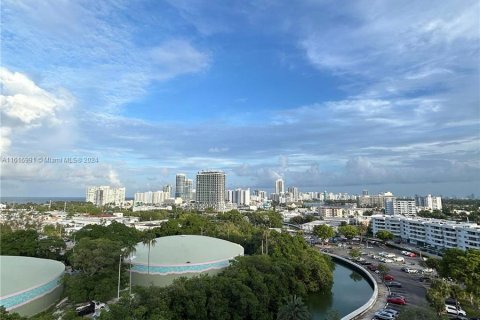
<point x="369" y="304"/>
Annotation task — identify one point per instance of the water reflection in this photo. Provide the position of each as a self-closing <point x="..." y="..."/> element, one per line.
<point x="355" y="276"/>
<point x="350" y="291"/>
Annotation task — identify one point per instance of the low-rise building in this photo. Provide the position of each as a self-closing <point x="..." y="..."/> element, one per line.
<point x="436" y="233"/>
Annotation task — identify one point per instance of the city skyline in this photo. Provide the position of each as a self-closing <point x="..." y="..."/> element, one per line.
<point x="369" y="95"/>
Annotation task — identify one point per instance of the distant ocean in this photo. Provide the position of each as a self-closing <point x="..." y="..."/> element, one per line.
<point x="21" y="200"/>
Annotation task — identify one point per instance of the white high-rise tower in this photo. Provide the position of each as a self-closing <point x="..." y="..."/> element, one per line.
<point x="210" y="190"/>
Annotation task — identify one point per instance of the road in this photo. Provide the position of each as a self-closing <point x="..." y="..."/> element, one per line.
<point x="412" y="289"/>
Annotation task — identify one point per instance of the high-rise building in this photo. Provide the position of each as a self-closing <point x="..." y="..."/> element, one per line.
<point x="294" y="192"/>
<point x="279" y="186"/>
<point x="188" y="191"/>
<point x="168" y="191"/>
<point x="180" y="182"/>
<point x="428" y="202"/>
<point x="105" y="195"/>
<point x="400" y="206"/>
<point x="365" y="192"/>
<point x="210" y="190"/>
<point x="241" y="197"/>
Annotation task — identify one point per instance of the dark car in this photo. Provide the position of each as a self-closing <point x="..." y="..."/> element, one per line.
<point x="372" y="267"/>
<point x="425" y="279"/>
<point x="393" y="284"/>
<point x="85" y="309"/>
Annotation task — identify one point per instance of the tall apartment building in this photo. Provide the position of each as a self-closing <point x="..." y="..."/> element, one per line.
<point x="400" y="206"/>
<point x="188" y="190"/>
<point x="279" y="186"/>
<point x="180" y="181"/>
<point x="294" y="192"/>
<point x="150" y="197"/>
<point x="168" y="190"/>
<point x="241" y="197"/>
<point x="374" y="201"/>
<point x="105" y="195"/>
<point x="436" y="233"/>
<point x="429" y="202"/>
<point x="210" y="190"/>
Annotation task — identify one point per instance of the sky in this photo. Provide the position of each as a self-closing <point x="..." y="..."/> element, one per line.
<point x="377" y="95"/>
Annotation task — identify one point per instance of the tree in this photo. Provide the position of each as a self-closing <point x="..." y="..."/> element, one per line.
<point x="348" y="231"/>
<point x="355" y="276"/>
<point x="293" y="309"/>
<point x="384" y="235"/>
<point x="362" y="230"/>
<point x="149" y="239"/>
<point x="323" y="232"/>
<point x="383" y="269"/>
<point x="4" y="315"/>
<point x="97" y="260"/>
<point x="355" y="253"/>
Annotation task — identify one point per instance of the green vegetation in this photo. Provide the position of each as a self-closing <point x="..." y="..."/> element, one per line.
<point x="323" y="232"/>
<point x="464" y="268"/>
<point x="384" y="235"/>
<point x="456" y="209"/>
<point x="293" y="309"/>
<point x="355" y="253"/>
<point x="417" y="313"/>
<point x="302" y="219"/>
<point x="253" y="287"/>
<point x="97" y="260"/>
<point x="383" y="269"/>
<point x="348" y="231"/>
<point x="29" y="243"/>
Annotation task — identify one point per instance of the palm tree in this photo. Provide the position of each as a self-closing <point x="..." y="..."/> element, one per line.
<point x="149" y="239"/>
<point x="293" y="309"/>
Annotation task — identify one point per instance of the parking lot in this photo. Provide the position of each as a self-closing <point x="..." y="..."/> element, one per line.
<point x="412" y="289"/>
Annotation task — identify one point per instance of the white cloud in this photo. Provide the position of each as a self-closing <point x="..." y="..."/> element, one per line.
<point x="23" y="100"/>
<point x="24" y="105"/>
<point x="94" y="50"/>
<point x="178" y="57"/>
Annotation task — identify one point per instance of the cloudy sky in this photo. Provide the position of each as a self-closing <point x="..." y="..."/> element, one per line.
<point x="382" y="95"/>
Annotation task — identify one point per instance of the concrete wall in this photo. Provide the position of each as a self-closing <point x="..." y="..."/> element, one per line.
<point x="40" y="304"/>
<point x="146" y="280"/>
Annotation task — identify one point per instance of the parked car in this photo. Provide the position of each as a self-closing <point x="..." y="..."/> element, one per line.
<point x="384" y="315"/>
<point x="393" y="284"/>
<point x="454" y="310"/>
<point x="85" y="309"/>
<point x="397" y="300"/>
<point x="372" y="267"/>
<point x="451" y="302"/>
<point x="424" y="279"/>
<point x="411" y="255"/>
<point x="409" y="270"/>
<point x="390" y="255"/>
<point x="395" y="295"/>
<point x="399" y="259"/>
<point x="388" y="277"/>
<point x="392" y="311"/>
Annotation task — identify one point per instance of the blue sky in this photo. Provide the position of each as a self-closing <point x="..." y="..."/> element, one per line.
<point x="382" y="95"/>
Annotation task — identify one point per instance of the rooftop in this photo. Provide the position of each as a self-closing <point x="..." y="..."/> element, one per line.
<point x="186" y="249"/>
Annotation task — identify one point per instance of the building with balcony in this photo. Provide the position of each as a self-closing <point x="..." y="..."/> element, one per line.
<point x="436" y="233"/>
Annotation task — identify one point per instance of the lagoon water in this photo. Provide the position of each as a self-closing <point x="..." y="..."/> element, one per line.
<point x="349" y="292"/>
